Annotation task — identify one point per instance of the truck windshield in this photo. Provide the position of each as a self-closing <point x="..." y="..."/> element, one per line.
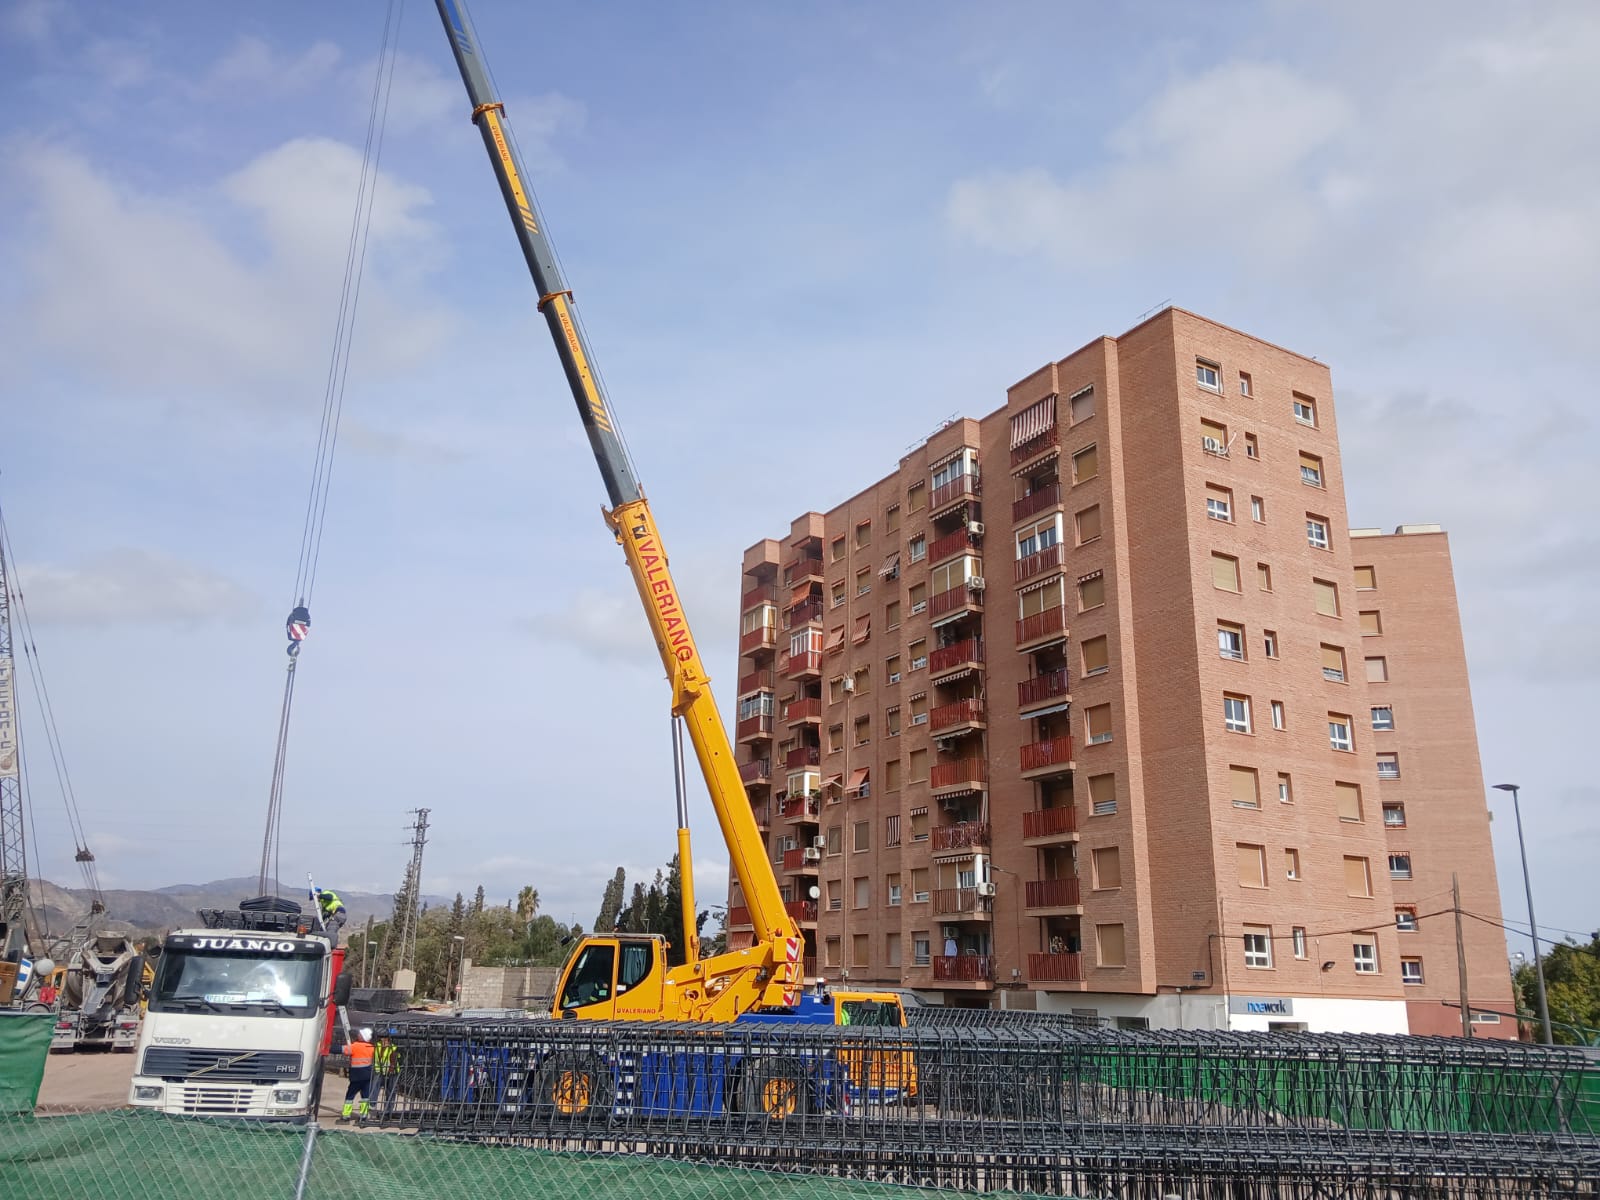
<point x="252" y="984"/>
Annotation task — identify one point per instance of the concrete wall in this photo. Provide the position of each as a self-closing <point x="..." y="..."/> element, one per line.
<point x="505" y="987"/>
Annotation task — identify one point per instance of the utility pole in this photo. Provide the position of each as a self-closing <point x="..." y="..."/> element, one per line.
<point x="408" y="928"/>
<point x="13" y="848"/>
<point x="1461" y="956"/>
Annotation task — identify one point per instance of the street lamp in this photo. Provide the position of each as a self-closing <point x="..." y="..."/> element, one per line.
<point x="452" y="968"/>
<point x="1527" y="884"/>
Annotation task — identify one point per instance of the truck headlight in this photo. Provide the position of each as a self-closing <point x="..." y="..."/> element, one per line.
<point x="286" y="1095"/>
<point x="145" y="1091"/>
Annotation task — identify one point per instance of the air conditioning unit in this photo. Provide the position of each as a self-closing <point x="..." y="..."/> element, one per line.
<point x="820" y="842"/>
<point x="977" y="583"/>
<point x="975" y="528"/>
<point x="985" y="889"/>
<point x="944" y="743"/>
<point x="811" y="854"/>
<point x="1213" y="445"/>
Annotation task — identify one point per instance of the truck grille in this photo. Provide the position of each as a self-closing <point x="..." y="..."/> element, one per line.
<point x="216" y="1101"/>
<point x="181" y="1063"/>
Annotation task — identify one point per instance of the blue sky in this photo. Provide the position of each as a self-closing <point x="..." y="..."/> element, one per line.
<point x="874" y="216"/>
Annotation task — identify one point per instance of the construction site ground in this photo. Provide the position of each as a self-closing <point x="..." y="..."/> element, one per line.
<point x="99" y="1081"/>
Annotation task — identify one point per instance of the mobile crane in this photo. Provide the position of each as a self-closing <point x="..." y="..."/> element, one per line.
<point x="627" y="977"/>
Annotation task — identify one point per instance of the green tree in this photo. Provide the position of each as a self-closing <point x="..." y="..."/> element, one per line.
<point x="477" y="900"/>
<point x="527" y="905"/>
<point x="611" y="903"/>
<point x="1572" y="990"/>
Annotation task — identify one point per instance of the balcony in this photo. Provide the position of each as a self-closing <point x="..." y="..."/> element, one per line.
<point x="765" y="594"/>
<point x="757" y="640"/>
<point x="810" y="964"/>
<point x="966" y="775"/>
<point x="1049" y="894"/>
<point x="751" y="728"/>
<point x="963" y="715"/>
<point x="955" y="659"/>
<point x="963" y="968"/>
<point x="739" y="917"/>
<point x="803" y="756"/>
<point x="799" y="712"/>
<point x="1049" y="688"/>
<point x="799" y="809"/>
<point x="1042" y="826"/>
<point x="1055" y="968"/>
<point x="1036" y="502"/>
<point x="756" y="681"/>
<point x="953" y="600"/>
<point x="950" y="545"/>
<point x="1042" y="628"/>
<point x="1050" y="757"/>
<point x="803" y="911"/>
<point x="968" y="835"/>
<point x="805" y="614"/>
<point x="796" y="861"/>
<point x="1045" y="444"/>
<point x="957" y="901"/>
<point x="806" y="664"/>
<point x="1048" y="559"/>
<point x="757" y="770"/>
<point x="958" y="491"/>
<point x="807" y="566"/>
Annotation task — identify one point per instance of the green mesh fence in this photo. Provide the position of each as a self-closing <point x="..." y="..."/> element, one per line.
<point x="24" y="1046"/>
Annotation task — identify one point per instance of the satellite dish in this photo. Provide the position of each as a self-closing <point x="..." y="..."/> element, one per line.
<point x="815" y="892"/>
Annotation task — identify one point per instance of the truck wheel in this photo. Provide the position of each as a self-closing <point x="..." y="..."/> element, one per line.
<point x="572" y="1084"/>
<point x="775" y="1088"/>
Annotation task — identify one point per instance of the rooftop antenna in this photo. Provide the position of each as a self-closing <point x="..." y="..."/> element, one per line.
<point x="944" y="424"/>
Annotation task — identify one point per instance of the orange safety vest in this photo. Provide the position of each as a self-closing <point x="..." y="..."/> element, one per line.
<point x="360" y="1054"/>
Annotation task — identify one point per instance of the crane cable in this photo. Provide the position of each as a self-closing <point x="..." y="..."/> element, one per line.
<point x="298" y="625"/>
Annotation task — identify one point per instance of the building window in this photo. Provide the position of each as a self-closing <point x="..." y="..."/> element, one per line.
<point x="1095" y="661"/>
<point x="1405" y="918"/>
<point x="1080" y="405"/>
<point x="837" y="549"/>
<point x="1285" y="788"/>
<point x="1291" y="863"/>
<point x="1371" y="624"/>
<point x="861" y="892"/>
<point x="1244" y="383"/>
<point x="919" y="885"/>
<point x="1269" y="642"/>
<point x="1366" y="579"/>
<point x="1305" y="410"/>
<point x="1357" y="876"/>
<point x="891" y="519"/>
<point x="1317" y="532"/>
<point x="1208" y="374"/>
<point x="1347" y="797"/>
<point x="891" y="949"/>
<point x="893" y="882"/>
<point x="1252" y="448"/>
<point x="863" y="836"/>
<point x="1258" y="946"/>
<point x="1299" y="941"/>
<point x="1097" y="724"/>
<point x="891" y="823"/>
<point x="1236" y="714"/>
<point x="1400" y="865"/>
<point x="1244" y="784"/>
<point x="1388" y="766"/>
<point x="1219" y="503"/>
<point x="917" y="548"/>
<point x="1091" y="592"/>
<point x="891" y="668"/>
<point x="891" y="722"/>
<point x="1214" y="438"/>
<point x="1264" y="577"/>
<point x="1102" y="795"/>
<point x="1339" y="736"/>
<point x="1088" y="523"/>
<point x="1230" y="640"/>
<point x="860" y="951"/>
<point x="863" y="730"/>
<point x="1310" y="469"/>
<point x="1394" y="815"/>
<point x="918" y="773"/>
<point x="1378" y="670"/>
<point x="1326" y="593"/>
<point x="863" y="534"/>
<point x="835" y="738"/>
<point x="1333" y="663"/>
<point x="919" y="833"/>
<point x="1224" y="572"/>
<point x="830" y="952"/>
<point x="1107" y="864"/>
<point x="1365" y="951"/>
<point x="1038" y="537"/>
<point x="1111" y="945"/>
<point x="919" y="950"/>
<point x="891" y="615"/>
<point x="1410" y="970"/>
<point x="1382" y="717"/>
<point x="863" y="581"/>
<point x="1085" y="464"/>
<point x="1258" y="509"/>
<point x="838" y="593"/>
<point x="835" y="839"/>
<point x="1252" y="865"/>
<point x="1486" y="1018"/>
<point x="919" y="654"/>
<point x="916" y="497"/>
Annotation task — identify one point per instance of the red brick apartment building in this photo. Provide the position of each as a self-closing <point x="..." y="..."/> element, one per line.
<point x="1097" y="704"/>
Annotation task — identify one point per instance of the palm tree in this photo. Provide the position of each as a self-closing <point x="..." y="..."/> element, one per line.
<point x="527" y="906"/>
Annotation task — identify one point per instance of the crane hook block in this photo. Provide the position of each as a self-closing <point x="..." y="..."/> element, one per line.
<point x="298" y="627"/>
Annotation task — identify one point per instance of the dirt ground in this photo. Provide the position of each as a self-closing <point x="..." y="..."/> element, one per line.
<point x="93" y="1082"/>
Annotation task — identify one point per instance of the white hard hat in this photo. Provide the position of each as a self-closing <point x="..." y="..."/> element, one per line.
<point x="365" y="1033"/>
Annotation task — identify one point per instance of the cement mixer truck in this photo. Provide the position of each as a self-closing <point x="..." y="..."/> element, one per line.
<point x="101" y="994"/>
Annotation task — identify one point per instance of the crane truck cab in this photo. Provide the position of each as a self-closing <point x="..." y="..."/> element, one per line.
<point x="240" y="1017"/>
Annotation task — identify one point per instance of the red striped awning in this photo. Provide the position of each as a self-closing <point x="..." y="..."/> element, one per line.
<point x="1037" y="419"/>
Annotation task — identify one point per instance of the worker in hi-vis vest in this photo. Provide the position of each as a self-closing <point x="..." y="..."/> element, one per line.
<point x="361" y="1054"/>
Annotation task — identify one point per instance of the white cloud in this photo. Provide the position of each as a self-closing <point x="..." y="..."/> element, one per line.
<point x="604" y="625"/>
<point x="255" y="64"/>
<point x="133" y="586"/>
<point x="32" y="20"/>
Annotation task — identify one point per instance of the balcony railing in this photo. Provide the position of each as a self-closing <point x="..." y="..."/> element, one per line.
<point x="964" y="968"/>
<point x="962" y="596"/>
<point x="1055" y="968"/>
<point x="765" y="594"/>
<point x="810" y="611"/>
<point x="1047" y="559"/>
<point x="966" y="835"/>
<point x="756" y="681"/>
<point x="764" y="638"/>
<point x="1042" y="688"/>
<point x="807" y="662"/>
<point x="799" y="808"/>
<point x="803" y="756"/>
<point x="739" y="914"/>
<point x="972" y="771"/>
<point x="804" y="567"/>
<point x="1052" y="893"/>
<point x="1034" y="502"/>
<point x="1049" y="822"/>
<point x="1053" y="752"/>
<point x="958" y="488"/>
<point x="810" y="966"/>
<point x="1052" y="622"/>
<point x="809" y="709"/>
<point x="951" y="543"/>
<point x="962" y="712"/>
<point x="959" y="654"/>
<point x="759" y="725"/>
<point x="801" y="910"/>
<point x="757" y="770"/>
<point x="955" y="900"/>
<point x="795" y="860"/>
<point x="1034" y="447"/>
